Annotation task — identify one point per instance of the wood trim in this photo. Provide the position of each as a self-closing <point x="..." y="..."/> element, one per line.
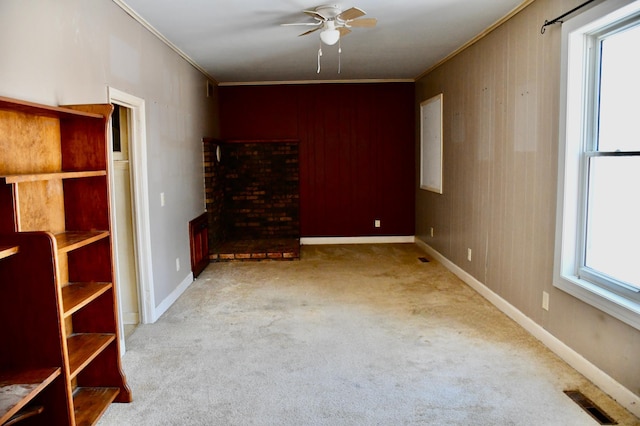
<point x="140" y="200"/>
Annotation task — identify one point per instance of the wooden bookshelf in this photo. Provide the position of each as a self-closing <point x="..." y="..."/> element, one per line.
<point x="55" y="241"/>
<point x="83" y="348"/>
<point x="72" y="240"/>
<point x="32" y="362"/>
<point x="90" y="403"/>
<point x="77" y="295"/>
<point x="19" y="178"/>
<point x="18" y="388"/>
<point x="6" y="251"/>
<point x="31" y="108"/>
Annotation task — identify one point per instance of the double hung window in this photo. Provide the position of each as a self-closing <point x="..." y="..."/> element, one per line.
<point x="598" y="231"/>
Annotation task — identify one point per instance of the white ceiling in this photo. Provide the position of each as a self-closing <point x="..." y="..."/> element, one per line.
<point x="242" y="40"/>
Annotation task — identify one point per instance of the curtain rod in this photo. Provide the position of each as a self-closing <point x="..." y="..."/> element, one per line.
<point x="558" y="19"/>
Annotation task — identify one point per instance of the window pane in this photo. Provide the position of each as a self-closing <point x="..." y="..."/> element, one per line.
<point x="115" y="128"/>
<point x="619" y="127"/>
<point x="613" y="225"/>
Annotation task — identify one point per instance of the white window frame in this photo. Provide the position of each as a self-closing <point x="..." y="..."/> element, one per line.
<point x="574" y="110"/>
<point x="431" y="144"/>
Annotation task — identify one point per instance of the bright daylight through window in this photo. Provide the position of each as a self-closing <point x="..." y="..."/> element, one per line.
<point x="613" y="169"/>
<point x="597" y="254"/>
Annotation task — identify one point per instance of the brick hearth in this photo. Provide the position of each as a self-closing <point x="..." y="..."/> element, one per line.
<point x="252" y="198"/>
<point x="271" y="249"/>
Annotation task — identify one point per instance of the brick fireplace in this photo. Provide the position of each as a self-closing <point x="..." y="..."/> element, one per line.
<point x="252" y="197"/>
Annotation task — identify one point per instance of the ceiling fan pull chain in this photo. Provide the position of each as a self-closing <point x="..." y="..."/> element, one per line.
<point x="339" y="56"/>
<point x="319" y="55"/>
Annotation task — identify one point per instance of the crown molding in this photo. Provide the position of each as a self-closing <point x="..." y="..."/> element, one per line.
<point x="357" y="81"/>
<point x="124" y="6"/>
<point x="477" y="38"/>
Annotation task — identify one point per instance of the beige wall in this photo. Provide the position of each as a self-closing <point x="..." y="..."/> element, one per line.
<point x="69" y="51"/>
<point x="501" y="106"/>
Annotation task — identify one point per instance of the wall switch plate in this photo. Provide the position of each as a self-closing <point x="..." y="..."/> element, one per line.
<point x="376" y="223"/>
<point x="177" y="263"/>
<point x="469" y="254"/>
<point x="545" y="300"/>
<point x="431" y="231"/>
<point x="162" y="199"/>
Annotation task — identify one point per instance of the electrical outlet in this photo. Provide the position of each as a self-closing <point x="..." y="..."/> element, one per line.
<point x="545" y="300"/>
<point x="177" y="263"/>
<point x="376" y="223"/>
<point x="431" y="231"/>
<point x="469" y="254"/>
<point x="162" y="199"/>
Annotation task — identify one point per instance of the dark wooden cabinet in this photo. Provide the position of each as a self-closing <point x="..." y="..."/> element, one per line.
<point x="199" y="242"/>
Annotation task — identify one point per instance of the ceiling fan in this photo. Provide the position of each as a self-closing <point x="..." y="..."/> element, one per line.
<point x="335" y="22"/>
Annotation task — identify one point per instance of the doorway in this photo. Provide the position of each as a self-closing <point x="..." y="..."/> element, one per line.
<point x="130" y="213"/>
<point x="125" y="247"/>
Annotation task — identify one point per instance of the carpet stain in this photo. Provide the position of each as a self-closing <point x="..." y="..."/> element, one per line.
<point x="348" y="335"/>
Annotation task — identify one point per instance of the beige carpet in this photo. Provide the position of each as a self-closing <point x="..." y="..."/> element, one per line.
<point x="348" y="335"/>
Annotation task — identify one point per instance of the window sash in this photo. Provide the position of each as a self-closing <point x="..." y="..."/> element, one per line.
<point x="590" y="150"/>
<point x="584" y="270"/>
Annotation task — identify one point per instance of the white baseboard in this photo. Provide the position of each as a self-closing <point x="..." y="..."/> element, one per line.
<point x="606" y="383"/>
<point x="311" y="241"/>
<point x="171" y="298"/>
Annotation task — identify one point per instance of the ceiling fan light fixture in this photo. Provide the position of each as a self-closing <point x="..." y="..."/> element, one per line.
<point x="330" y="36"/>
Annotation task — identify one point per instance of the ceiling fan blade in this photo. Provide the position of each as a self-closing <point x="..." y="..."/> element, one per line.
<point x="309" y="32"/>
<point x="362" y="23"/>
<point x="343" y="31"/>
<point x="315" y="15"/>
<point x="350" y="14"/>
<point x="315" y="24"/>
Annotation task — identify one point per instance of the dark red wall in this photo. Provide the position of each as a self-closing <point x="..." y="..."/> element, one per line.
<point x="356" y="150"/>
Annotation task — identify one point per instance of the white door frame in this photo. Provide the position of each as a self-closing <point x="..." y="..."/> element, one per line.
<point x="140" y="203"/>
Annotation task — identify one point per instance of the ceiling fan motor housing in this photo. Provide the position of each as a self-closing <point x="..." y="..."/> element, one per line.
<point x="329" y="12"/>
